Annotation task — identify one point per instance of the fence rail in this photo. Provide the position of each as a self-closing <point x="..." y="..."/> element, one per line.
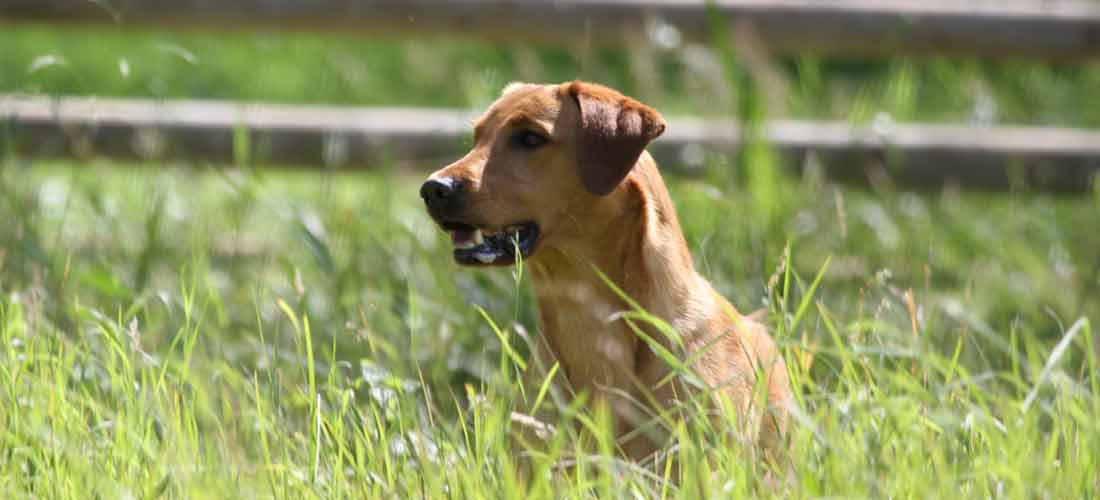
<point x="1053" y="29"/>
<point x="338" y="137"/>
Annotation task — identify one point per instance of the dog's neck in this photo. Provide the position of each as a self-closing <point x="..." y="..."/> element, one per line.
<point x="633" y="237"/>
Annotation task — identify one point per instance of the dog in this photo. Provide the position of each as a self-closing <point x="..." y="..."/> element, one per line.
<point x="559" y="178"/>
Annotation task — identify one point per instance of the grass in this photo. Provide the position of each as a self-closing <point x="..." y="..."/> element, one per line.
<point x="197" y="332"/>
<point x="202" y="333"/>
<point x="462" y="72"/>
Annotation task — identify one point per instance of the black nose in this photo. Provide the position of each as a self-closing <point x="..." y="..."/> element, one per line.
<point x="441" y="193"/>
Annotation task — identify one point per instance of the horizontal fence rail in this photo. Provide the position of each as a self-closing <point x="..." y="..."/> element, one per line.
<point x="337" y="137"/>
<point x="1054" y="29"/>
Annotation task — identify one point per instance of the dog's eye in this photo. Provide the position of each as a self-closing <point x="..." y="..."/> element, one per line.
<point x="526" y="139"/>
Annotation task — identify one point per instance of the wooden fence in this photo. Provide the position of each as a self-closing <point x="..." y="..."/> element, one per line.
<point x="1056" y="30"/>
<point x="342" y="137"/>
<point x="1053" y="29"/>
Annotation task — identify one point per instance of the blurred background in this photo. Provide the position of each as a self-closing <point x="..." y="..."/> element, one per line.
<point x="217" y="201"/>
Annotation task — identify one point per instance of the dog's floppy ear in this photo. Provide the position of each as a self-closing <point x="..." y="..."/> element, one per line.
<point x="614" y="130"/>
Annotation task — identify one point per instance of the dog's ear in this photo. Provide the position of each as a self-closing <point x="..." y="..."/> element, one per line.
<point x="614" y="130"/>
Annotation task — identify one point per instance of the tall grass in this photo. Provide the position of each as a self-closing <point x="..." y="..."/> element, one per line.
<point x="298" y="335"/>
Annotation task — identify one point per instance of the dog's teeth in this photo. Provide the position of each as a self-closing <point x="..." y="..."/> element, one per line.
<point x="477" y="239"/>
<point x="485" y="258"/>
<point x="465" y="245"/>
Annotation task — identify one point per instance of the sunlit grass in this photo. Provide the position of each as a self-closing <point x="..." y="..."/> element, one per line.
<point x="303" y="335"/>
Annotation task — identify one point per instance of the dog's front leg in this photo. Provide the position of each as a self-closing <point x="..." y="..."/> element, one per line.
<point x="532" y="420"/>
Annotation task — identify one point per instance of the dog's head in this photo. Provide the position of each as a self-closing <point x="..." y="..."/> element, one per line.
<point x="542" y="154"/>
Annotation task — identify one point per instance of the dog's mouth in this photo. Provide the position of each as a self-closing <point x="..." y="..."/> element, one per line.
<point x="475" y="246"/>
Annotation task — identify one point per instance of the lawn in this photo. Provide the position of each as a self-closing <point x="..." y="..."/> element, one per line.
<point x="193" y="331"/>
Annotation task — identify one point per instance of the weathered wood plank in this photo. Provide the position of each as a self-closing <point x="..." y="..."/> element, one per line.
<point x="317" y="136"/>
<point x="1055" y="29"/>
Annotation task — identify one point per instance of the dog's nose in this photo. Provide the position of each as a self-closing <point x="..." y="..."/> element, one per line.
<point x="441" y="193"/>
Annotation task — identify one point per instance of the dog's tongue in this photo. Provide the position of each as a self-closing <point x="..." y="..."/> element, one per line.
<point x="464" y="237"/>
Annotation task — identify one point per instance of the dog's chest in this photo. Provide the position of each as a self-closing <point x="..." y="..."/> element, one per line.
<point x="593" y="346"/>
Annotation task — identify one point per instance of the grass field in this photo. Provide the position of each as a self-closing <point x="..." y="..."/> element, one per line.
<point x="194" y="333"/>
<point x="199" y="332"/>
<point x="462" y="73"/>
